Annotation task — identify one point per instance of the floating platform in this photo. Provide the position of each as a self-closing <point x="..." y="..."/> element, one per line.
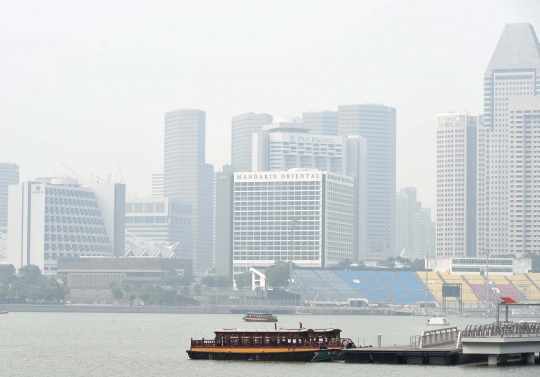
<point x="441" y="355"/>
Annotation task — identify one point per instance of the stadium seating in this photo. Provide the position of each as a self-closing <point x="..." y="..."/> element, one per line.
<point x="414" y="285"/>
<point x="397" y="289"/>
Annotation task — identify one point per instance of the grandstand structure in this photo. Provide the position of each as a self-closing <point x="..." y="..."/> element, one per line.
<point x="401" y="288"/>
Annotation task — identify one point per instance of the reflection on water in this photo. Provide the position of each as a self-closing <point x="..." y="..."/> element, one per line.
<point x="78" y="344"/>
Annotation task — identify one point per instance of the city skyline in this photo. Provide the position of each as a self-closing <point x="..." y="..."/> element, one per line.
<point x="127" y="127"/>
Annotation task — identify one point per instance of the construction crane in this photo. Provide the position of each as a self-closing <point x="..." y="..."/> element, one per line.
<point x="72" y="172"/>
<point x="123" y="180"/>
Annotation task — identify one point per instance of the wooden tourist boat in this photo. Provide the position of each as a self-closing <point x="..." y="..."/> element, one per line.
<point x="260" y="317"/>
<point x="3" y="311"/>
<point x="269" y="345"/>
<point x="331" y="338"/>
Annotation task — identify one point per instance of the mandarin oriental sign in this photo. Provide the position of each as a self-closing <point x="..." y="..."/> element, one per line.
<point x="278" y="176"/>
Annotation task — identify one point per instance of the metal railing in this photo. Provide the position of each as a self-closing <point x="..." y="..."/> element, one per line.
<point x="434" y="338"/>
<point x="502" y="330"/>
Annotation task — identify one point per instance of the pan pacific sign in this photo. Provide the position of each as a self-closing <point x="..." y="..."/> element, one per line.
<point x="315" y="139"/>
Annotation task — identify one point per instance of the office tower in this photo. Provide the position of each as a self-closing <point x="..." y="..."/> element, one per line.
<point x="457" y="184"/>
<point x="9" y="175"/>
<point x="188" y="177"/>
<point x="377" y="124"/>
<point x="158" y="186"/>
<point x="511" y="76"/>
<point x="243" y="127"/>
<point x="283" y="146"/>
<point x="422" y="232"/>
<point x="163" y="220"/>
<point x="263" y="207"/>
<point x="405" y="209"/>
<point x="413" y="225"/>
<point x="60" y="219"/>
<point x="224" y="170"/>
<point x="524" y="178"/>
<point x="322" y="122"/>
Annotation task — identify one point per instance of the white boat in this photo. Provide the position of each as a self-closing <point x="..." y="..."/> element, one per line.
<point x="438" y="321"/>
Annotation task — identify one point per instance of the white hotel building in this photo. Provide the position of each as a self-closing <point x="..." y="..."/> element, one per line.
<point x="283" y="146"/>
<point x="48" y="221"/>
<point x="267" y="204"/>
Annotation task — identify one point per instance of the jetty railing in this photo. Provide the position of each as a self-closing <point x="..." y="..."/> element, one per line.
<point x="432" y="338"/>
<point x="502" y="330"/>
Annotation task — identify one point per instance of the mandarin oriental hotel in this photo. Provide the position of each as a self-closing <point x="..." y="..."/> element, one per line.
<point x="308" y="213"/>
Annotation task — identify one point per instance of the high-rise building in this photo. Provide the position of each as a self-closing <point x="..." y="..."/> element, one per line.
<point x="158" y="190"/>
<point x="405" y="209"/>
<point x="322" y="122"/>
<point x="163" y="220"/>
<point x="243" y="127"/>
<point x="226" y="169"/>
<point x="457" y="145"/>
<point x="422" y="232"/>
<point x="413" y="225"/>
<point x="303" y="214"/>
<point x="511" y="76"/>
<point x="524" y="174"/>
<point x="63" y="219"/>
<point x="377" y="124"/>
<point x="285" y="146"/>
<point x="9" y="175"/>
<point x="188" y="177"/>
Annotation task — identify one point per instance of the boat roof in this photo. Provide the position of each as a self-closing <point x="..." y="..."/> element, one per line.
<point x="261" y="330"/>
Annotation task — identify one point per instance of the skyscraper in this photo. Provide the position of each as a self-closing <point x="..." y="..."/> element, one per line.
<point x="413" y="225"/>
<point x="9" y="175"/>
<point x="376" y="123"/>
<point x="322" y="122"/>
<point x="243" y="127"/>
<point x="511" y="76"/>
<point x="457" y="143"/>
<point x="157" y="186"/>
<point x="188" y="177"/>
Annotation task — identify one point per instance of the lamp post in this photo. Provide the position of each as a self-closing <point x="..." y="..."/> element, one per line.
<point x="425" y="302"/>
<point x="294" y="223"/>
<point x="488" y="253"/>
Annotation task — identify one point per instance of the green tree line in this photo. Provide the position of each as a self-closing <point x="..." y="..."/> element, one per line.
<point x="30" y="285"/>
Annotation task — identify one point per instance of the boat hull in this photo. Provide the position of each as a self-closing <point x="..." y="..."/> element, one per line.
<point x="251" y="354"/>
<point x="259" y="320"/>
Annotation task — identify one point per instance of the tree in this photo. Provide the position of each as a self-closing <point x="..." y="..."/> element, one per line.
<point x="535" y="259"/>
<point x="344" y="264"/>
<point x="126" y="287"/>
<point x="116" y="292"/>
<point x="197" y="290"/>
<point x="277" y="275"/>
<point x="209" y="281"/>
<point x="184" y="291"/>
<point x="177" y="281"/>
<point x="243" y="280"/>
<point x="223" y="282"/>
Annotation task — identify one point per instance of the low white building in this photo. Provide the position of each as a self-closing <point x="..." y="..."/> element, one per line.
<point x="163" y="220"/>
<point x="61" y="218"/>
<point x="462" y="266"/>
<point x="306" y="215"/>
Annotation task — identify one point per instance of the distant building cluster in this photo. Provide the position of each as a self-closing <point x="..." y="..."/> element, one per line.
<point x="319" y="191"/>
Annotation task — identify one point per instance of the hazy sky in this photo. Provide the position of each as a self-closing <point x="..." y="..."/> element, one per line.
<point x="89" y="82"/>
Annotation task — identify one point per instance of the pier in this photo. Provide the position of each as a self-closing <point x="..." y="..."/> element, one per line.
<point x="495" y="343"/>
<point x="434" y="347"/>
